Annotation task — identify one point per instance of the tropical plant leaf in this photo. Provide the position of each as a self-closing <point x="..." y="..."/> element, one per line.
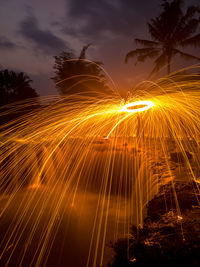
<point x="191" y="11"/>
<point x="153" y="54"/>
<point x="189" y="28"/>
<point x="160" y="62"/>
<point x="155" y="31"/>
<point x="147" y="43"/>
<point x="139" y="52"/>
<point x="194" y="40"/>
<point x="186" y="56"/>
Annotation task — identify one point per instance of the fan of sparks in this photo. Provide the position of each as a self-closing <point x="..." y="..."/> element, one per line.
<point x="90" y="164"/>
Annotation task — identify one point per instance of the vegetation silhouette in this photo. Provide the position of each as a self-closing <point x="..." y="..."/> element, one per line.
<point x="15" y="89"/>
<point x="79" y="75"/>
<point x="171" y="30"/>
<point x="166" y="238"/>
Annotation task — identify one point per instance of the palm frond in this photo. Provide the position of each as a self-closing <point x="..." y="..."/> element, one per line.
<point x="147" y="43"/>
<point x="191" y="11"/>
<point x="153" y="54"/>
<point x="194" y="40"/>
<point x="139" y="52"/>
<point x="160" y="62"/>
<point x="155" y="30"/>
<point x="185" y="55"/>
<point x="185" y="30"/>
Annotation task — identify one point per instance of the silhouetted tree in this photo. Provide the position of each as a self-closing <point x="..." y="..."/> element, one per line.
<point x="15" y="87"/>
<point x="78" y="75"/>
<point x="172" y="29"/>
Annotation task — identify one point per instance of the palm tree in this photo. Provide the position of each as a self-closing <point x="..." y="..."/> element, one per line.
<point x="171" y="30"/>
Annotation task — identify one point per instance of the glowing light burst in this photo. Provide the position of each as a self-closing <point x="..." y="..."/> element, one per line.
<point x="138" y="106"/>
<point x="56" y="165"/>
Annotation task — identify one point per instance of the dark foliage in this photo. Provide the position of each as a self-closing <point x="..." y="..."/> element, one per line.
<point x="78" y="75"/>
<point x="15" y="88"/>
<point x="168" y="236"/>
<point x="171" y="30"/>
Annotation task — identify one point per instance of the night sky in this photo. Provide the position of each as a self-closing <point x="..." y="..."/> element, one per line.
<point x="33" y="31"/>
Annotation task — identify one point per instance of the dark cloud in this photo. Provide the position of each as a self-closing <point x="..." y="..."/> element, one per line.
<point x="5" y="43"/>
<point x="111" y="26"/>
<point x="44" y="40"/>
<point x="106" y="17"/>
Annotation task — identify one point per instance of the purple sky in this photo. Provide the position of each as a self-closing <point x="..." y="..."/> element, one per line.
<point x="32" y="31"/>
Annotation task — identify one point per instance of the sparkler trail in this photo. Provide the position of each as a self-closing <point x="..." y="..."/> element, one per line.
<point x="86" y="149"/>
<point x="137" y="106"/>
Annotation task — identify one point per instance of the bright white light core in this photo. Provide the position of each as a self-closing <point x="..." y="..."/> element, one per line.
<point x="137" y="106"/>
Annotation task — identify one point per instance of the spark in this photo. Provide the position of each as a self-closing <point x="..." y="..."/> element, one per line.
<point x="55" y="162"/>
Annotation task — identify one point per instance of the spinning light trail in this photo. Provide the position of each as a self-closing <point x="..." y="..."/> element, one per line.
<point x="137" y="106"/>
<point x="58" y="167"/>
